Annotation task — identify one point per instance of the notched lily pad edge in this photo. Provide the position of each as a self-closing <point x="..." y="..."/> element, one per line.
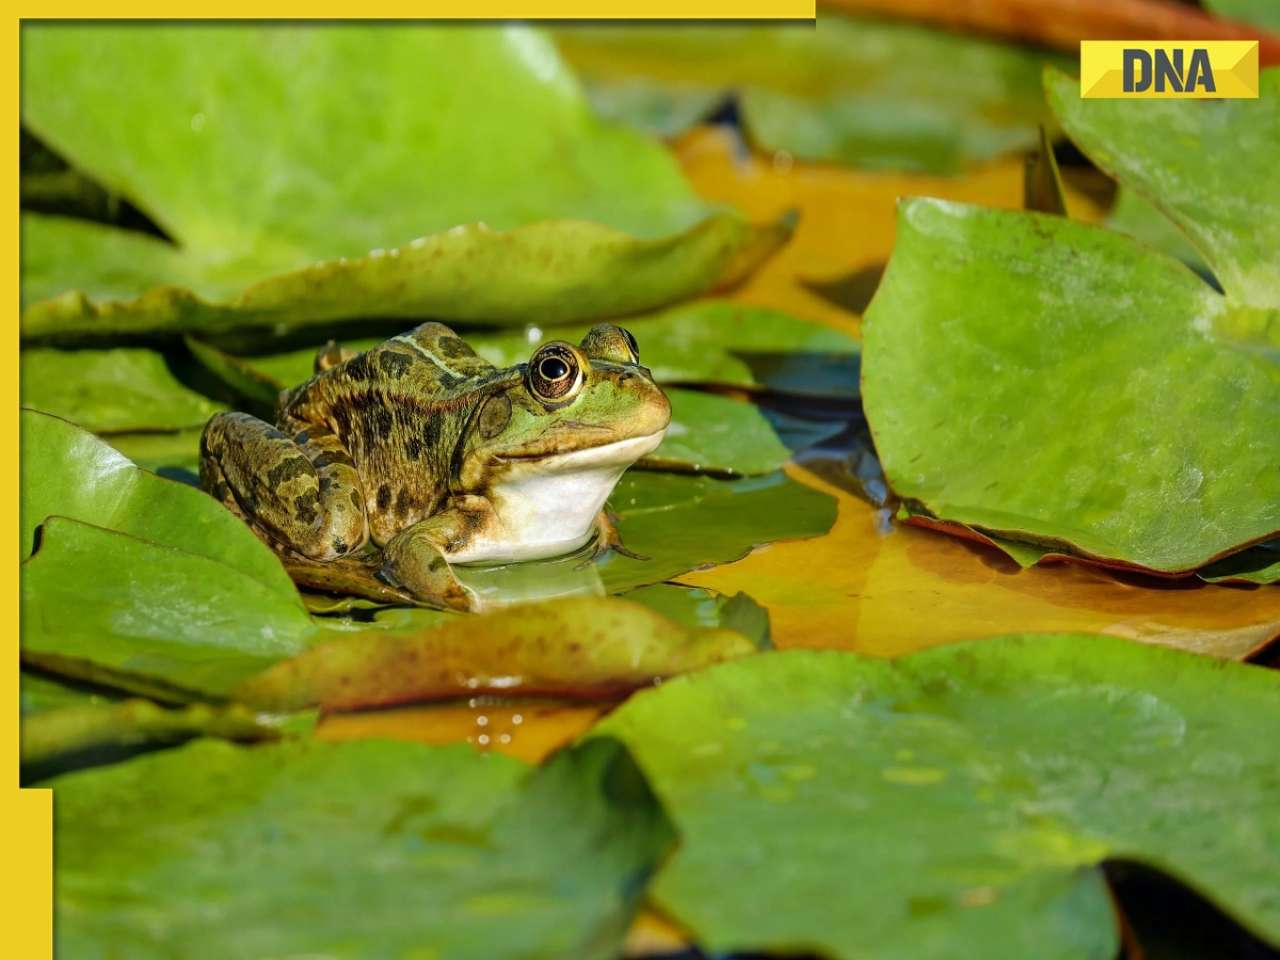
<point x="1029" y="552"/>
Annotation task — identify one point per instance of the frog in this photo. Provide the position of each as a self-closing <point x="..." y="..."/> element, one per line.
<point x="424" y="455"/>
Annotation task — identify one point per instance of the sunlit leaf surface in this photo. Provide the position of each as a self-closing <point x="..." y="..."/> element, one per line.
<point x="181" y="135"/>
<point x="111" y="391"/>
<point x="1045" y="380"/>
<point x="961" y="795"/>
<point x="68" y="472"/>
<point x="589" y="647"/>
<point x="218" y="851"/>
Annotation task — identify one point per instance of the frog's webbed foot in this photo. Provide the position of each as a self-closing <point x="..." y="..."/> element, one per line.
<point x="414" y="562"/>
<point x="608" y="538"/>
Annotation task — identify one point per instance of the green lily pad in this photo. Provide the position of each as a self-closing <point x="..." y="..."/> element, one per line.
<point x="1227" y="203"/>
<point x="963" y="795"/>
<point x="590" y="647"/>
<point x="40" y="693"/>
<point x="865" y="92"/>
<point x="70" y="473"/>
<point x="110" y="391"/>
<point x="697" y="607"/>
<point x="106" y="607"/>
<point x="170" y="451"/>
<point x="1135" y="216"/>
<point x="214" y="850"/>
<point x="719" y="435"/>
<point x="53" y="735"/>
<point x="675" y="524"/>
<point x="261" y="213"/>
<point x="1050" y="381"/>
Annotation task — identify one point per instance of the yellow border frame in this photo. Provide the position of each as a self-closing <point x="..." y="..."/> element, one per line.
<point x="27" y="815"/>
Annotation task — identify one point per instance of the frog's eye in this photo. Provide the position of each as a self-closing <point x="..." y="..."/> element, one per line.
<point x="555" y="374"/>
<point x="631" y="342"/>
<point x="604" y="341"/>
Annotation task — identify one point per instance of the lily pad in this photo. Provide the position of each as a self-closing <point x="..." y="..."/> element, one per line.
<point x="268" y="238"/>
<point x="70" y="473"/>
<point x="52" y="735"/>
<point x="111" y="391"/>
<point x="1050" y="381"/>
<point x="859" y="91"/>
<point x="675" y="524"/>
<point x="214" y="850"/>
<point x="1227" y="203"/>
<point x="107" y="607"/>
<point x="960" y="795"/>
<point x="580" y="647"/>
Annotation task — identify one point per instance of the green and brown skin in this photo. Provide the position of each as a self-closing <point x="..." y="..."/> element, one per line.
<point x="416" y="447"/>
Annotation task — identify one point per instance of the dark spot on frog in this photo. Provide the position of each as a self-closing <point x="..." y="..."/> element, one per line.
<point x="381" y="420"/>
<point x="339" y="545"/>
<point x="301" y="439"/>
<point x="413" y="448"/>
<point x="355" y="500"/>
<point x="405" y="501"/>
<point x="395" y="364"/>
<point x="358" y="368"/>
<point x="453" y="347"/>
<point x="449" y="381"/>
<point x="287" y="470"/>
<point x="304" y="506"/>
<point x="384" y="497"/>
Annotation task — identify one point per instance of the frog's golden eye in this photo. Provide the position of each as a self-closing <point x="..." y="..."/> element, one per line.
<point x="555" y="374"/>
<point x="604" y="341"/>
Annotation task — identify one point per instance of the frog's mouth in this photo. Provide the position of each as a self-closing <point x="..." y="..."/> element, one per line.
<point x="616" y="453"/>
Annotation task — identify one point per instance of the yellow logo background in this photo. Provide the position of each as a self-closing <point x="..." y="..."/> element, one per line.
<point x="1234" y="64"/>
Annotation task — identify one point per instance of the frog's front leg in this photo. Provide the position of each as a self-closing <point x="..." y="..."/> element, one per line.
<point x="301" y="491"/>
<point x="608" y="538"/>
<point x="415" y="559"/>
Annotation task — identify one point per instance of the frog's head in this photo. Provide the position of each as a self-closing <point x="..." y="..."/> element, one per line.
<point x="569" y="410"/>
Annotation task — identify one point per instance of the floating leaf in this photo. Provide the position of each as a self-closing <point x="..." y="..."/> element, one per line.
<point x="677" y="524"/>
<point x="111" y="390"/>
<point x="902" y="577"/>
<point x="714" y="434"/>
<point x="264" y="248"/>
<point x="979" y="785"/>
<point x="1228" y="204"/>
<point x="1137" y="217"/>
<point x="865" y="92"/>
<point x="40" y="693"/>
<point x="588" y="647"/>
<point x="106" y="607"/>
<point x="71" y="473"/>
<point x="54" y="734"/>
<point x="214" y="850"/>
<point x="1063" y="402"/>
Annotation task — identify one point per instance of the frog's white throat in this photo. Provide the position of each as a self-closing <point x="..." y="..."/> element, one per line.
<point x="548" y="507"/>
